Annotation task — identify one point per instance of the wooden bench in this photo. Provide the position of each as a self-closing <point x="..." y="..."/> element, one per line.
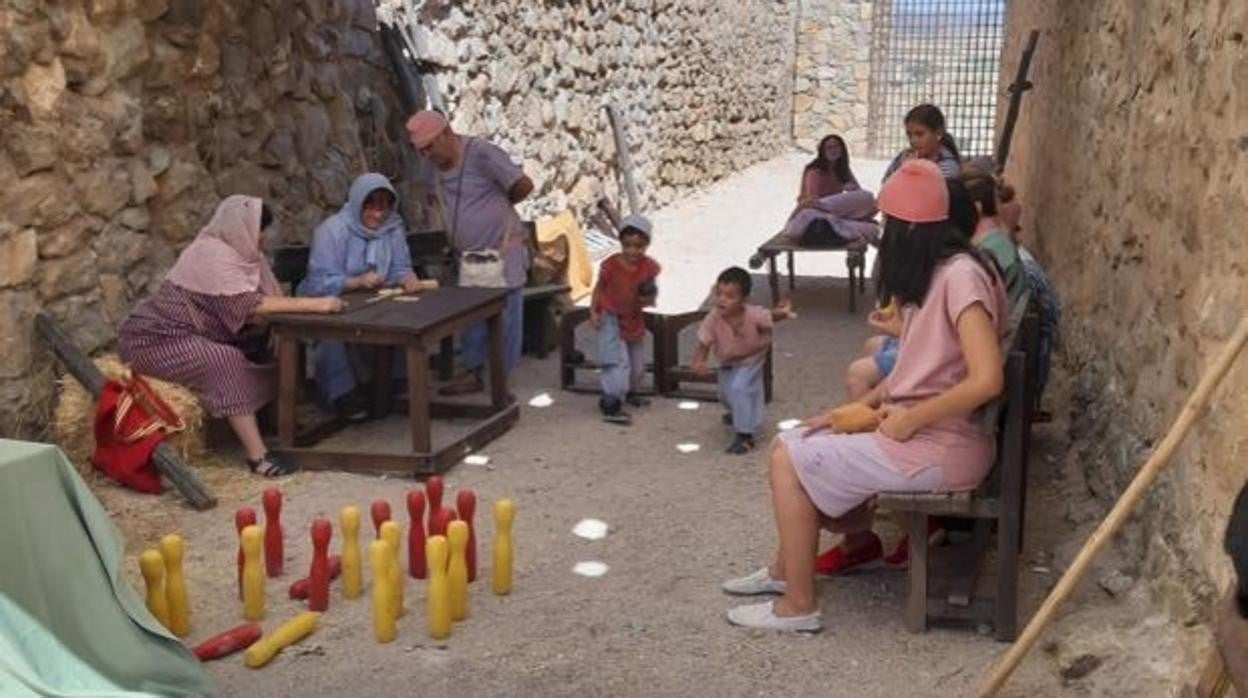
<point x="540" y="317"/>
<point x="855" y="262"/>
<point x="999" y="500"/>
<point x="572" y="360"/>
<point x="674" y="375"/>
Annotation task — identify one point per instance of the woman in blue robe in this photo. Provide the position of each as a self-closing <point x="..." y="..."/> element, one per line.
<point x="363" y="247"/>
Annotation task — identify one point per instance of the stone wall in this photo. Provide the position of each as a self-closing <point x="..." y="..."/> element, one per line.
<point x="126" y="121"/>
<point x="704" y="86"/>
<point x="1130" y="159"/>
<point x="832" y="72"/>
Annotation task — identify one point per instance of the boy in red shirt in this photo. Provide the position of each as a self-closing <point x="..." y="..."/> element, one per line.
<point x="626" y="285"/>
<point x="740" y="335"/>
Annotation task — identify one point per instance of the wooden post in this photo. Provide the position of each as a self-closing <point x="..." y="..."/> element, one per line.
<point x="1117" y="516"/>
<point x="165" y="458"/>
<point x="623" y="158"/>
<point x="418" y="400"/>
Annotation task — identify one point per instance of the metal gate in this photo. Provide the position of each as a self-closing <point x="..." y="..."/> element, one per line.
<point x="946" y="52"/>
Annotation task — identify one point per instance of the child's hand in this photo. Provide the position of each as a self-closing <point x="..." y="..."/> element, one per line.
<point x="595" y="319"/>
<point x="898" y="424"/>
<point x="700" y="367"/>
<point x="887" y="321"/>
<point x="813" y="425"/>
<point x="784" y="309"/>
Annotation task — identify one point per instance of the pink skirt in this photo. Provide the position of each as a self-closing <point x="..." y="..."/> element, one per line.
<point x="841" y="471"/>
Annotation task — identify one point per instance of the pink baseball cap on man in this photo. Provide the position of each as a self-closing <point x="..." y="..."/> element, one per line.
<point x="424" y="126"/>
<point x="915" y="193"/>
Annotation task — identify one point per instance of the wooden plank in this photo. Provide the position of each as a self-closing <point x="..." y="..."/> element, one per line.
<point x="446" y="457"/>
<point x="916" y="602"/>
<point x="355" y="461"/>
<point x="418" y="400"/>
<point x="287" y="390"/>
<point x="967" y="559"/>
<point x="458" y="410"/>
<point x="164" y="457"/>
<point x="624" y="158"/>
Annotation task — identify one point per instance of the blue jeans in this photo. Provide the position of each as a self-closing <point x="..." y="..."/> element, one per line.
<point x="622" y="363"/>
<point x="741" y="391"/>
<point x="886" y="357"/>
<point x="475" y="341"/>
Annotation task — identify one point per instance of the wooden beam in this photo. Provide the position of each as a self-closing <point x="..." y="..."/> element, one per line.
<point x="80" y="366"/>
<point x="623" y="158"/>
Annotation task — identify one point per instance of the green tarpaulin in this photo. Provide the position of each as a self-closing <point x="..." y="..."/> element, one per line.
<point x="70" y="623"/>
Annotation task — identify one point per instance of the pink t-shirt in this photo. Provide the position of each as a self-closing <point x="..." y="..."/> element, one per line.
<point x="930" y="362"/>
<point x="738" y="343"/>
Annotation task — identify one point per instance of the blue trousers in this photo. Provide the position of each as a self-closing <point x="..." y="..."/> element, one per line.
<point x="339" y="365"/>
<point x="741" y="391"/>
<point x="622" y="364"/>
<point x="475" y="341"/>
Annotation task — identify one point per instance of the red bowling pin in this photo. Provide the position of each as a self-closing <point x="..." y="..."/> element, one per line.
<point x="381" y="514"/>
<point x="466" y="502"/>
<point x="244" y="517"/>
<point x="318" y="577"/>
<point x="433" y="496"/>
<point x="441" y="519"/>
<point x="416" y="535"/>
<point x="273" y="553"/>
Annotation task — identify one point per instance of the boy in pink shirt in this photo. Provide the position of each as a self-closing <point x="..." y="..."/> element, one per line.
<point x="739" y="334"/>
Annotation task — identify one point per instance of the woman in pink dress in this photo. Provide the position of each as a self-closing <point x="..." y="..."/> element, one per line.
<point x="949" y="364"/>
<point x="203" y="328"/>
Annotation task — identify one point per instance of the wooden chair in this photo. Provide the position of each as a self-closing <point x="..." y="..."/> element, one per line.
<point x="572" y="360"/>
<point x="999" y="500"/>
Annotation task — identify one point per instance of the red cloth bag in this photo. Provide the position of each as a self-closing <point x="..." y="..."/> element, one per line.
<point x="130" y="421"/>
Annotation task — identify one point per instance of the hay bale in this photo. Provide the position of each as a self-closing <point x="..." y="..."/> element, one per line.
<point x="74" y="418"/>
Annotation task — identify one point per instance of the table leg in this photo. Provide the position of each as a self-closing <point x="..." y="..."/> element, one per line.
<point x="287" y="388"/>
<point x="773" y="279"/>
<point x="446" y="359"/>
<point x="383" y="361"/>
<point x="418" y="399"/>
<point x="498" y="367"/>
<point x="792" y="273"/>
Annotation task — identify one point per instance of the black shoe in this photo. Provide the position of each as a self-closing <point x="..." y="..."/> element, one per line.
<point x="726" y="419"/>
<point x="635" y="400"/>
<point x="613" y="411"/>
<point x="271" y="465"/>
<point x="351" y="408"/>
<point x="741" y="443"/>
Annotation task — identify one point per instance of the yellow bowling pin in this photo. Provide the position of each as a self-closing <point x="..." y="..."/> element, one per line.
<point x="500" y="575"/>
<point x="392" y="534"/>
<point x="287" y="634"/>
<point x="352" y="574"/>
<point x="171" y="547"/>
<point x="383" y="614"/>
<point x="152" y="565"/>
<point x="438" y="592"/>
<point x="457" y="569"/>
<point x="253" y="573"/>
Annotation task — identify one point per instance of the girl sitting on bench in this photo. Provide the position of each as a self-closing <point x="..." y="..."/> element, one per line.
<point x="832" y="210"/>
<point x="917" y="432"/>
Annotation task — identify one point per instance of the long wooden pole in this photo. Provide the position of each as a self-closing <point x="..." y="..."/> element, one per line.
<point x="1118" y="515"/>
<point x="624" y="159"/>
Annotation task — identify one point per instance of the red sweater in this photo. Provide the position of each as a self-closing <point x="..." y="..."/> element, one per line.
<point x="616" y="293"/>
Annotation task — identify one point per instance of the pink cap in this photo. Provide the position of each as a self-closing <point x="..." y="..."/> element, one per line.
<point x="424" y="126"/>
<point x="915" y="193"/>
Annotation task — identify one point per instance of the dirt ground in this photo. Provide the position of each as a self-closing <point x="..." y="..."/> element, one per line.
<point x="654" y="624"/>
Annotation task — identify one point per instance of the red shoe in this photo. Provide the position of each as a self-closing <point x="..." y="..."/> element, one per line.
<point x="900" y="556"/>
<point x="837" y="560"/>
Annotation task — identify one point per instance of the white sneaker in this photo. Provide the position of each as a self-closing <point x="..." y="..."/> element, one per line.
<point x="763" y="617"/>
<point x="759" y="582"/>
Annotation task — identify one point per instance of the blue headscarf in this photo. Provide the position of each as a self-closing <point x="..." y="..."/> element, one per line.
<point x="377" y="247"/>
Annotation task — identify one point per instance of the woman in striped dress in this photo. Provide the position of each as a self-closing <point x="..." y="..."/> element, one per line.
<point x="203" y="326"/>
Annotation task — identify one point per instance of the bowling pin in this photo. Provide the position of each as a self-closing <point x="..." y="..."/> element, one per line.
<point x="416" y="534"/>
<point x="457" y="570"/>
<point x="287" y="634"/>
<point x="244" y="517"/>
<point x="171" y="548"/>
<point x="441" y="519"/>
<point x="298" y="589"/>
<point x="383" y="615"/>
<point x="152" y="565"/>
<point x="318" y="576"/>
<point x="352" y="574"/>
<point x="380" y="511"/>
<point x="438" y="602"/>
<point x="392" y="534"/>
<point x="466" y="503"/>
<point x="228" y="642"/>
<point x="253" y="573"/>
<point x="274" y="554"/>
<point x="500" y="575"/>
<point x="433" y="497"/>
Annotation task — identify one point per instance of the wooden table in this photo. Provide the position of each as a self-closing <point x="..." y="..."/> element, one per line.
<point x="855" y="262"/>
<point x="415" y="327"/>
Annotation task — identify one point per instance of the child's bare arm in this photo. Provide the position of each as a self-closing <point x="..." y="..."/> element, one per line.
<point x="699" y="359"/>
<point x="783" y="310"/>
